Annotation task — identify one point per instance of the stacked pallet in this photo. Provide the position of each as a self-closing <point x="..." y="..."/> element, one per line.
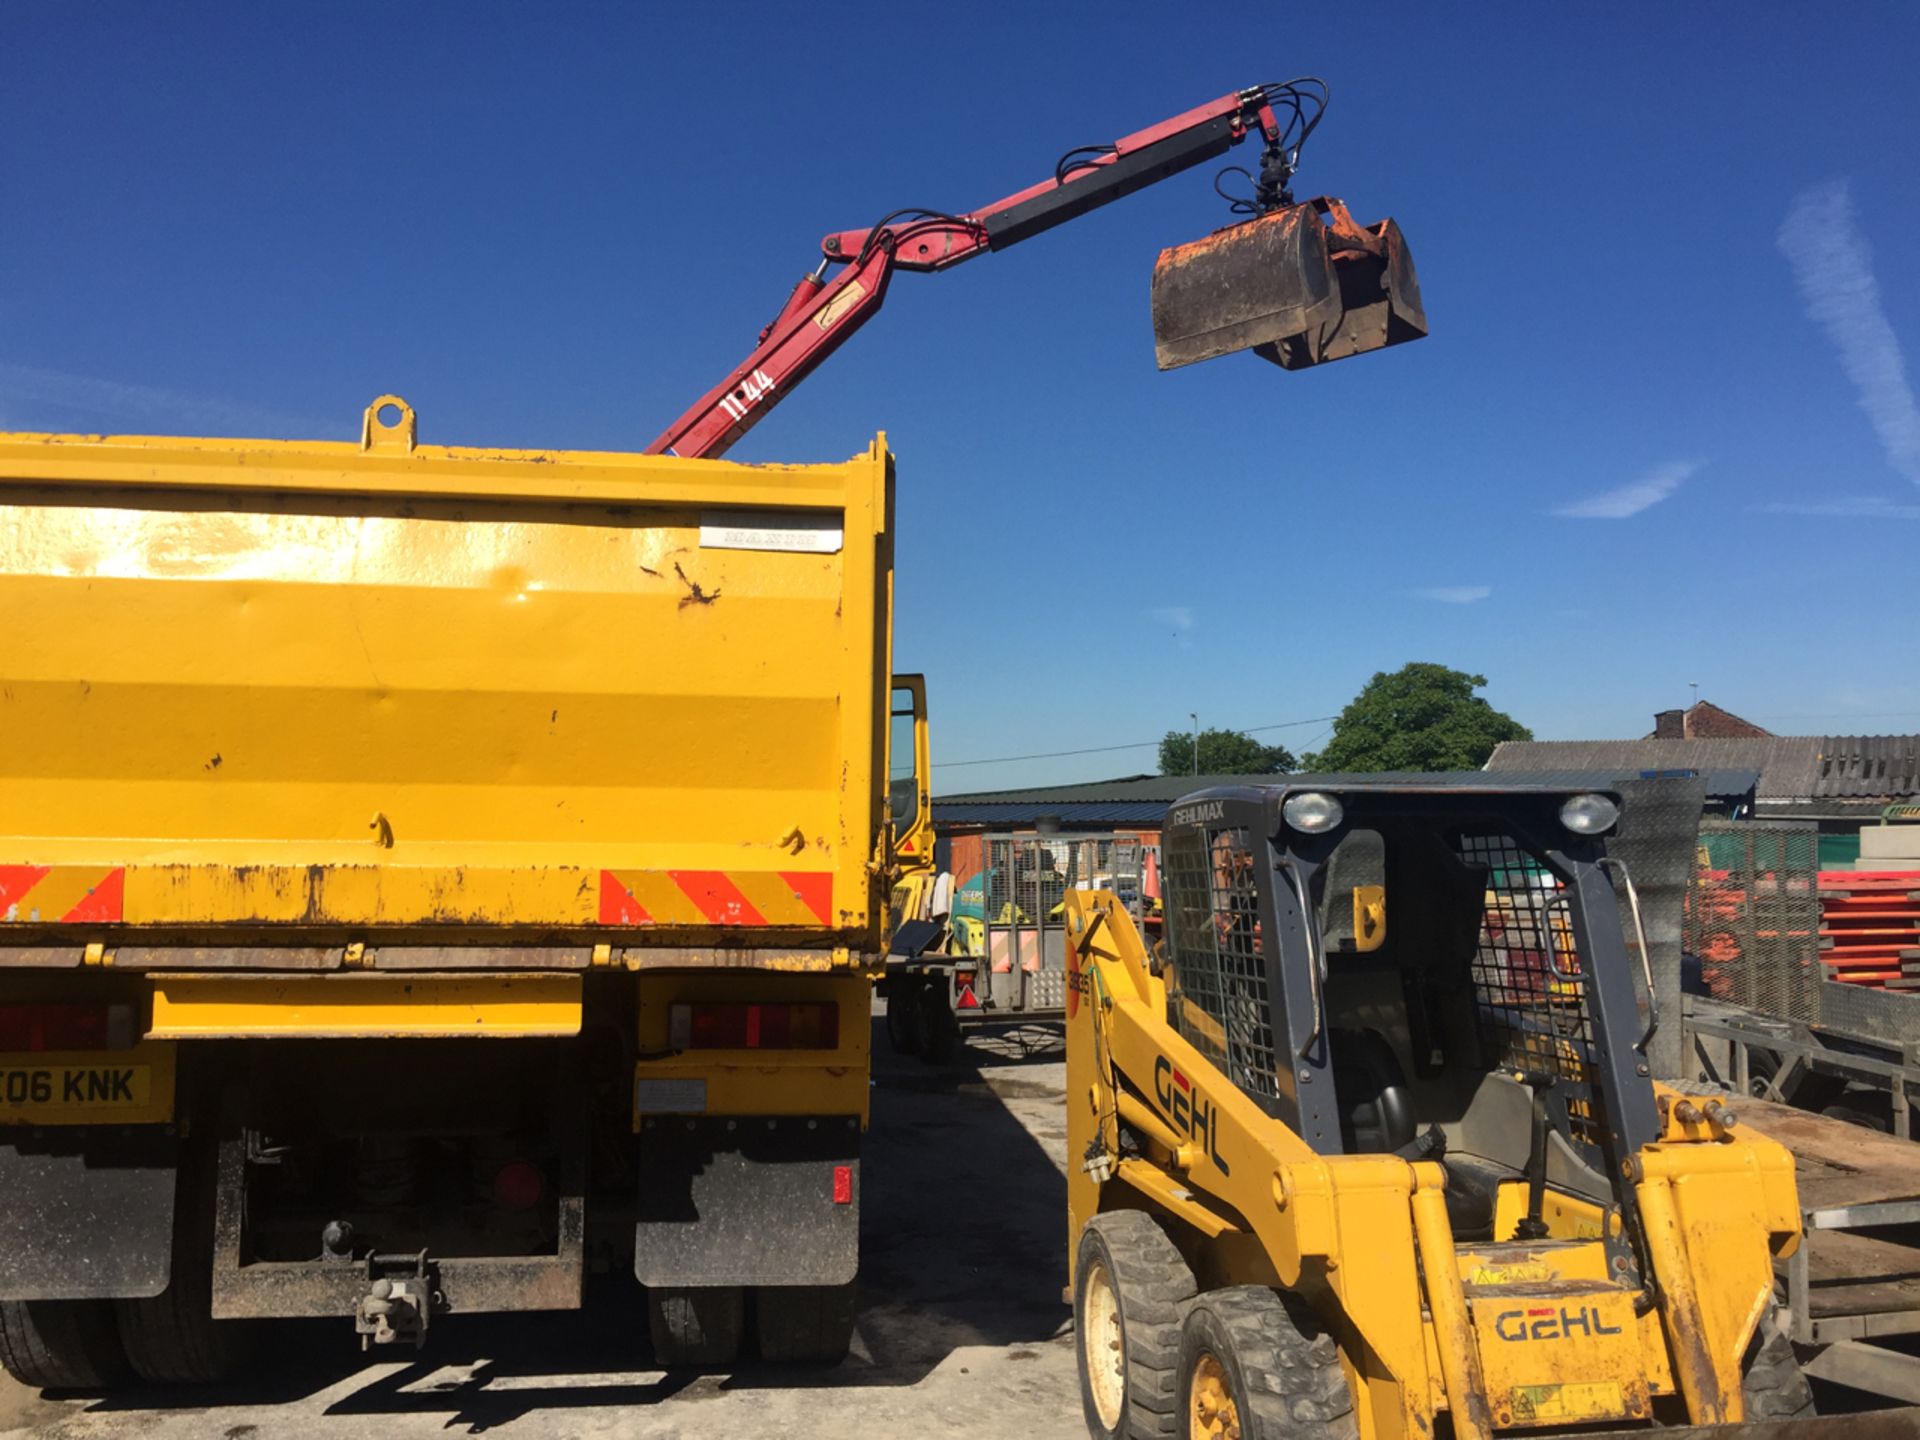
<point x="1870" y="927"/>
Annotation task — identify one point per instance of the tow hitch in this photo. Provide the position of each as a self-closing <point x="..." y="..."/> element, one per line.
<point x="397" y="1305"/>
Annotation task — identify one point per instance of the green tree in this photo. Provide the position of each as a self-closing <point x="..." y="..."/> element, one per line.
<point x="1421" y="717"/>
<point x="1222" y="752"/>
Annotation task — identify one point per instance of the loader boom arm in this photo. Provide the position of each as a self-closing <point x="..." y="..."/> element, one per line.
<point x="822" y="313"/>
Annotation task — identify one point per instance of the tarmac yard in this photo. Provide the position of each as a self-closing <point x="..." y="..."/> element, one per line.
<point x="962" y="1331"/>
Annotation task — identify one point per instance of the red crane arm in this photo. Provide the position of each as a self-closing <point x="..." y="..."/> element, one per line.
<point x="821" y="313"/>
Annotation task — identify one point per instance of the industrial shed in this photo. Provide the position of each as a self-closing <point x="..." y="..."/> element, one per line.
<point x="1838" y="781"/>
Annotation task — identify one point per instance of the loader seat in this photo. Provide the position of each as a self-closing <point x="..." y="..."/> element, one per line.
<point x="1377" y="1118"/>
<point x="1370" y="1088"/>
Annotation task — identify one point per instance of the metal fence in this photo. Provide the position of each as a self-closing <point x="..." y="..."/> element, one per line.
<point x="1024" y="902"/>
<point x="1753" y="915"/>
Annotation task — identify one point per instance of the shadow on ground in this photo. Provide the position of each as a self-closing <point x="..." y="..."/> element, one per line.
<point x="962" y="1231"/>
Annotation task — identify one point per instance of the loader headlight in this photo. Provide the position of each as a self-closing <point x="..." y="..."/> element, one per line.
<point x="1312" y="812"/>
<point x="1589" y="814"/>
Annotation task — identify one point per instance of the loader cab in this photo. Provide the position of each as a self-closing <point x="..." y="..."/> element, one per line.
<point x="1420" y="969"/>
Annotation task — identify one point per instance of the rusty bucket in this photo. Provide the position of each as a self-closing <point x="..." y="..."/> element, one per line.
<point x="1299" y="286"/>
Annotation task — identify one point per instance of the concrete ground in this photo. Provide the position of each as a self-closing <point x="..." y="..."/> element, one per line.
<point x="962" y="1330"/>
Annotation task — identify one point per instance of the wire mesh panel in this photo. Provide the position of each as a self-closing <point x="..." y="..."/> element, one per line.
<point x="1753" y="917"/>
<point x="1024" y="911"/>
<point x="1527" y="981"/>
<point x="1220" y="998"/>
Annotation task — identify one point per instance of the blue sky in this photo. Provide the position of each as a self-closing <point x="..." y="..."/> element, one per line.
<point x="1664" y="430"/>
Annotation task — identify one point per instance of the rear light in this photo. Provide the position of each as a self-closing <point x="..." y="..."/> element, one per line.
<point x="66" y="1027"/>
<point x="518" y="1185"/>
<point x="802" y="1025"/>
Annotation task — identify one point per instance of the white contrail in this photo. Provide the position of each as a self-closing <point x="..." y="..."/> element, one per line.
<point x="1833" y="266"/>
<point x="1848" y="507"/>
<point x="43" y="399"/>
<point x="1630" y="499"/>
<point x="1178" y="621"/>
<point x="1453" y="594"/>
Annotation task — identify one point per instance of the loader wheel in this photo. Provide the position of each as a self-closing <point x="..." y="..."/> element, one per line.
<point x="172" y="1338"/>
<point x="1255" y="1366"/>
<point x="903" y="1005"/>
<point x="61" y="1344"/>
<point x="696" y="1326"/>
<point x="1129" y="1286"/>
<point x="804" y="1324"/>
<point x="1773" y="1385"/>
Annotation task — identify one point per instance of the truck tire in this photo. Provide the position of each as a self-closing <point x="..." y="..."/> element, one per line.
<point x="699" y="1325"/>
<point x="938" y="1032"/>
<point x="804" y="1324"/>
<point x="1773" y="1386"/>
<point x="1255" y="1365"/>
<point x="1129" y="1287"/>
<point x="903" y="1004"/>
<point x="61" y="1344"/>
<point x="172" y="1338"/>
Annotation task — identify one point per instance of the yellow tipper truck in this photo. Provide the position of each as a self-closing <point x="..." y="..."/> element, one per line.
<point x="427" y="874"/>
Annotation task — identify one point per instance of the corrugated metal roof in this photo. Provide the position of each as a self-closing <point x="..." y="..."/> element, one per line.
<point x="1129" y="800"/>
<point x="1112" y="812"/>
<point x="1144" y="799"/>
<point x="1792" y="767"/>
<point x="1166" y="788"/>
<point x="1869" y="766"/>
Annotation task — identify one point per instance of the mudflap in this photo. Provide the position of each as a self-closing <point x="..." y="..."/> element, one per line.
<point x="748" y="1201"/>
<point x="88" y="1212"/>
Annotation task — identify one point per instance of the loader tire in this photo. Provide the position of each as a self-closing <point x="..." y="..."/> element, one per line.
<point x="1255" y="1365"/>
<point x="699" y="1325"/>
<point x="1773" y="1385"/>
<point x="804" y="1324"/>
<point x="1130" y="1287"/>
<point x="61" y="1344"/>
<point x="172" y="1338"/>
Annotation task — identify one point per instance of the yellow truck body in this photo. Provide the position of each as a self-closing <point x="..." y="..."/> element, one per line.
<point x="396" y="693"/>
<point x="374" y="813"/>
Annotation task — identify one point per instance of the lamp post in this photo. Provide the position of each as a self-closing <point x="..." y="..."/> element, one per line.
<point x="1195" y="718"/>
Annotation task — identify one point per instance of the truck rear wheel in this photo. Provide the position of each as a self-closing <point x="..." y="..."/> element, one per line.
<point x="1129" y="1284"/>
<point x="903" y="1004"/>
<point x="1254" y="1367"/>
<point x="698" y="1325"/>
<point x="61" y="1344"/>
<point x="937" y="1032"/>
<point x="804" y="1323"/>
<point x="172" y="1338"/>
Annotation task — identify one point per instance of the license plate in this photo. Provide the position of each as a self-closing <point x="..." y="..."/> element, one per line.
<point x="34" y="1088"/>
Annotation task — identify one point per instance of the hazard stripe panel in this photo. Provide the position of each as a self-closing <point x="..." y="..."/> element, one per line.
<point x="64" y="894"/>
<point x="716" y="897"/>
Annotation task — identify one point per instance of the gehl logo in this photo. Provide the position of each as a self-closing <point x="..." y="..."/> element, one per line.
<point x="1549" y="1322"/>
<point x="1190" y="1112"/>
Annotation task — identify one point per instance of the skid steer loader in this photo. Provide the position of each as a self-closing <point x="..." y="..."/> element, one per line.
<point x="1370" y="1149"/>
